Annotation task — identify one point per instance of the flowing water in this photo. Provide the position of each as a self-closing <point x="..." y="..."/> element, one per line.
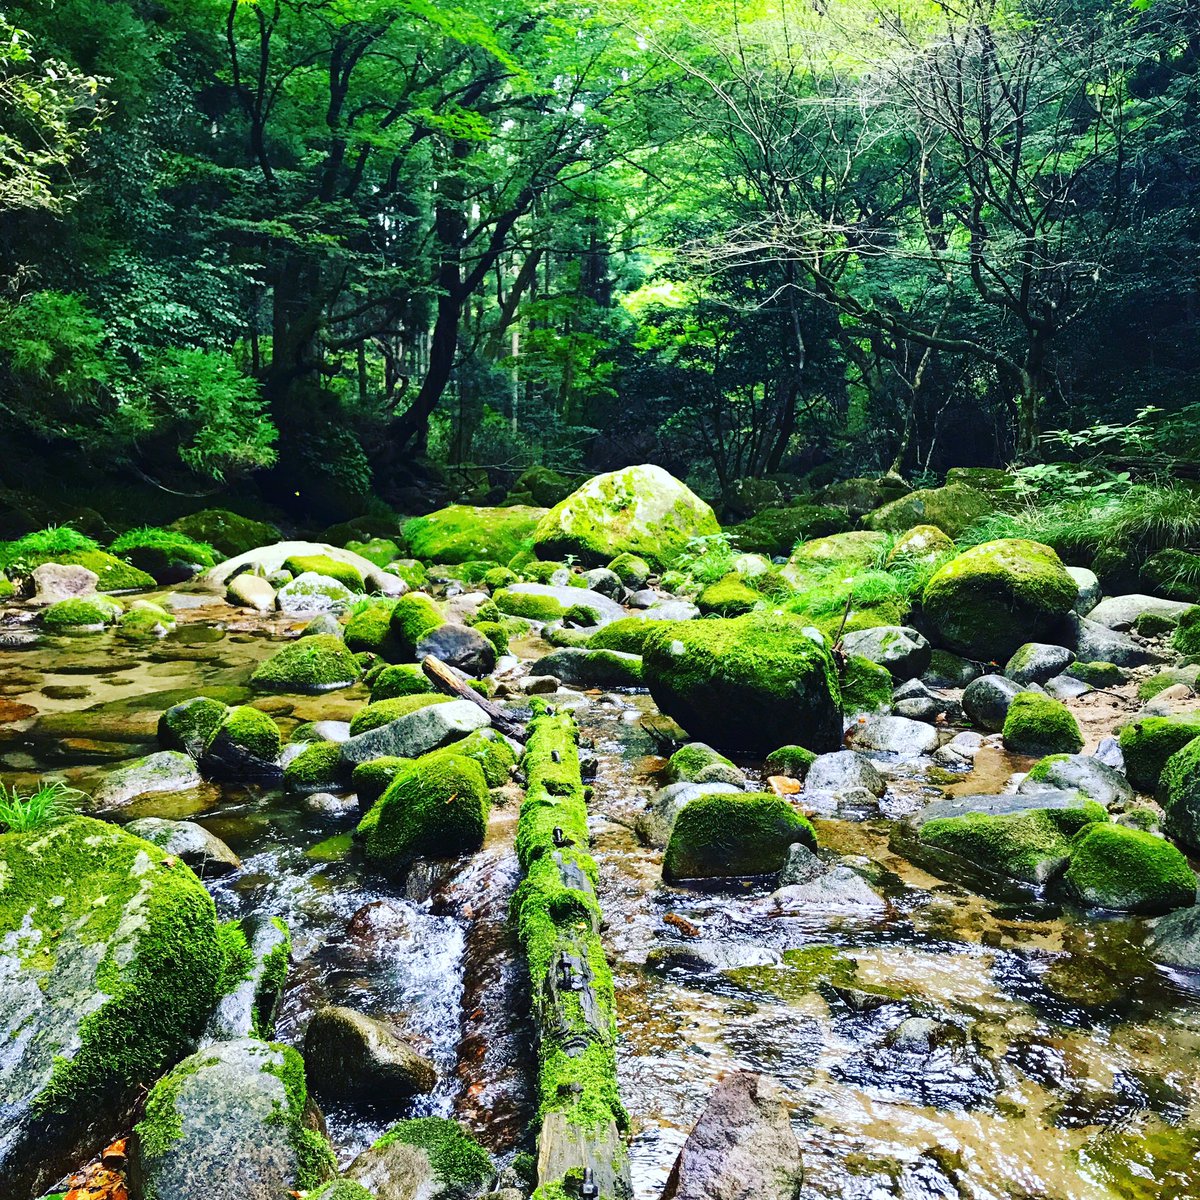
<point x="1073" y="1074"/>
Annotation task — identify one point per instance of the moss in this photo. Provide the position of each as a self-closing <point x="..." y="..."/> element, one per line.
<point x="580" y="616"/>
<point x="342" y="1189"/>
<point x="191" y="725"/>
<point x="373" y="777"/>
<point x="920" y="544"/>
<point x="630" y="569"/>
<point x="866" y="686"/>
<point x="542" y="572"/>
<point x="553" y="790"/>
<point x="161" y="1125"/>
<point x="734" y="834"/>
<point x="239" y="958"/>
<point x="953" y="509"/>
<point x="529" y="605"/>
<point x="1027" y="846"/>
<point x="500" y="577"/>
<point x="436" y="806"/>
<point x="80" y="613"/>
<point x="752" y="682"/>
<point x="112" y="574"/>
<point x="1038" y="724"/>
<point x="728" y="597"/>
<point x="314" y="1156"/>
<point x="496" y="632"/>
<point x="461" y="1164"/>
<point x="413" y="617"/>
<point x="777" y="531"/>
<point x="254" y="731"/>
<point x="627" y="635"/>
<point x="1154" y="624"/>
<point x="846" y="553"/>
<point x="800" y="973"/>
<point x="311" y="665"/>
<point x="461" y="533"/>
<point x="1116" y="867"/>
<point x="792" y="761"/>
<point x="688" y="761"/>
<point x="1148" y="744"/>
<point x="381" y="712"/>
<point x="272" y="978"/>
<point x="1186" y="639"/>
<point x="227" y="532"/>
<point x="411" y="572"/>
<point x="1181" y="795"/>
<point x="993" y="598"/>
<point x="79" y="881"/>
<point x="370" y="630"/>
<point x="34" y="548"/>
<point x="402" y="679"/>
<point x="157" y="551"/>
<point x="145" y="624"/>
<point x="379" y="550"/>
<point x="322" y="564"/>
<point x="1149" y="688"/>
<point x="1097" y="674"/>
<point x="318" y="766"/>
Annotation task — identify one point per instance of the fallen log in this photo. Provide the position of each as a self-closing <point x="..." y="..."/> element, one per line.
<point x="444" y="679"/>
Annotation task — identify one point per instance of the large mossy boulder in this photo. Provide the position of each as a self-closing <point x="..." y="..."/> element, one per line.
<point x="731" y="834"/>
<point x="311" y="666"/>
<point x="641" y="510"/>
<point x="542" y="487"/>
<point x="861" y="496"/>
<point x="111" y="962"/>
<point x="847" y="553"/>
<point x="167" y="554"/>
<point x="226" y="532"/>
<point x="750" y="683"/>
<point x="952" y="509"/>
<point x="236" y="1112"/>
<point x="1148" y="744"/>
<point x="430" y="1158"/>
<point x="995" y="597"/>
<point x="1130" y="870"/>
<point x="1181" y="795"/>
<point x="462" y="533"/>
<point x="777" y="531"/>
<point x="435" y="807"/>
<point x="1039" y="724"/>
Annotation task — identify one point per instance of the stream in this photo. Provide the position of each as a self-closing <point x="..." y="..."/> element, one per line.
<point x="1075" y="1078"/>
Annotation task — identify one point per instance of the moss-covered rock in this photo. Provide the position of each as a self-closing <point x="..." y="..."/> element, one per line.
<point x="400" y="679"/>
<point x="1031" y="846"/>
<point x="82" y="615"/>
<point x="327" y="567"/>
<point x="380" y="712"/>
<point x="861" y="496"/>
<point x="1113" y="866"/>
<point x="792" y="761"/>
<point x="690" y="761"/>
<point x="311" y="665"/>
<point x="496" y="632"/>
<point x="753" y="682"/>
<point x="500" y="577"/>
<point x="953" y="509"/>
<point x="865" y="686"/>
<point x="461" y="533"/>
<point x="584" y="667"/>
<point x="410" y="571"/>
<point x="370" y="630"/>
<point x="1097" y="674"/>
<point x="631" y="569"/>
<point x="921" y="544"/>
<point x="847" y="553"/>
<point x="993" y="598"/>
<point x="776" y="532"/>
<point x="235" y="1111"/>
<point x="379" y="550"/>
<point x="225" y="531"/>
<point x="113" y="574"/>
<point x="542" y="486"/>
<point x="543" y="572"/>
<point x="1039" y="724"/>
<point x="529" y="605"/>
<point x="111" y="964"/>
<point x="144" y="622"/>
<point x="436" y="807"/>
<point x="1148" y="743"/>
<point x="641" y="510"/>
<point x="438" y="1155"/>
<point x="191" y="725"/>
<point x="731" y="834"/>
<point x="1186" y="638"/>
<point x="167" y="554"/>
<point x="414" y="617"/>
<point x="1181" y="795"/>
<point x="247" y="745"/>
<point x="372" y="778"/>
<point x="318" y="767"/>
<point x="728" y="597"/>
<point x="628" y="635"/>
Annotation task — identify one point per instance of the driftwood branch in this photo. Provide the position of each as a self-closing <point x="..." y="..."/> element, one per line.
<point x="445" y="680"/>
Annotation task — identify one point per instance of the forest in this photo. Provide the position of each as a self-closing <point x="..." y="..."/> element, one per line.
<point x="599" y="600"/>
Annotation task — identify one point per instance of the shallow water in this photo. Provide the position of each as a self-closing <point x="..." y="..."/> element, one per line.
<point x="1076" y="1076"/>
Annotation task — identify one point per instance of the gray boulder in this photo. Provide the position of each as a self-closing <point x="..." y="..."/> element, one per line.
<point x="323" y="623"/>
<point x="949" y="670"/>
<point x="843" y="771"/>
<point x="657" y="822"/>
<point x="1094" y="642"/>
<point x="1120" y="612"/>
<point x="840" y="889"/>
<point x="742" y="1146"/>
<point x="351" y="1056"/>
<point x="802" y="866"/>
<point x="1175" y="940"/>
<point x="461" y="647"/>
<point x="53" y="582"/>
<point x="251" y="591"/>
<point x="192" y="844"/>
<point x="986" y="700"/>
<point x="164" y="771"/>
<point x="607" y="583"/>
<point x="895" y="735"/>
<point x="417" y="733"/>
<point x="1089" y="587"/>
<point x="579" y="667"/>
<point x="226" y="1114"/>
<point x="1037" y="662"/>
<point x="903" y="651"/>
<point x="1077" y="772"/>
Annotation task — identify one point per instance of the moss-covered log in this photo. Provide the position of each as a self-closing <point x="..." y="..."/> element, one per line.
<point x="558" y="922"/>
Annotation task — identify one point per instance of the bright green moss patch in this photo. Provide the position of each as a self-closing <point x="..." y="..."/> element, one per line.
<point x="627" y="635"/>
<point x="144" y="623"/>
<point x="688" y="761"/>
<point x="1038" y="724"/>
<point x="728" y="597"/>
<point x="496" y="632"/>
<point x="725" y="835"/>
<point x="191" y="725"/>
<point x="531" y="606"/>
<point x="400" y="679"/>
<point x="1181" y="795"/>
<point x="90" y="613"/>
<point x="631" y="570"/>
<point x="381" y="712"/>
<point x="314" y="1156"/>
<point x="379" y="550"/>
<point x="776" y="532"/>
<point x="500" y="577"/>
<point x="156" y="551"/>
<point x="462" y="1165"/>
<point x="318" y="766"/>
<point x="1116" y="867"/>
<point x="342" y="1189"/>
<point x="1148" y="743"/>
<point x="414" y="616"/>
<point x="461" y="533"/>
<point x="373" y="777"/>
<point x="1186" y="638"/>
<point x="311" y="664"/>
<point x="322" y="564"/>
<point x="800" y="973"/>
<point x="1097" y="674"/>
<point x="370" y="630"/>
<point x="865" y="685"/>
<point x="1030" y="846"/>
<point x="254" y="731"/>
<point x="792" y="761"/>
